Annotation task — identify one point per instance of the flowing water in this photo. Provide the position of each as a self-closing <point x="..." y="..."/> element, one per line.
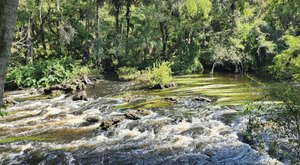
<point x="181" y="131"/>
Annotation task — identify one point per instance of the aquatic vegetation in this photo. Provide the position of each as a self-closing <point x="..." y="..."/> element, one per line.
<point x="25" y="138"/>
<point x="160" y="73"/>
<point x="276" y="127"/>
<point x="32" y="98"/>
<point x="145" y="104"/>
<point x="128" y="73"/>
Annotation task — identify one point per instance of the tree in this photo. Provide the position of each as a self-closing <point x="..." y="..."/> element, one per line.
<point x="8" y="15"/>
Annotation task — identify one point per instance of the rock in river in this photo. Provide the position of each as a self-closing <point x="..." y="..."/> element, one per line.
<point x="109" y="122"/>
<point x="92" y="119"/>
<point x="132" y="115"/>
<point x="203" y="99"/>
<point x="9" y="100"/>
<point x="172" y="99"/>
<point x="80" y="95"/>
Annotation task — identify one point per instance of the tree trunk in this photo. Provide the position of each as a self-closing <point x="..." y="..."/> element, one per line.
<point x="213" y="68"/>
<point x="98" y="31"/>
<point x="8" y="15"/>
<point x="128" y="25"/>
<point x="164" y="35"/>
<point x="117" y="15"/>
<point x="29" y="54"/>
<point x="118" y="29"/>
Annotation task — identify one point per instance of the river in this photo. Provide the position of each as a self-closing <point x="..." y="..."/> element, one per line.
<point x="197" y="122"/>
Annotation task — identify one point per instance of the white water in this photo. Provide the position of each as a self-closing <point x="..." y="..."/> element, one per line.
<point x="159" y="138"/>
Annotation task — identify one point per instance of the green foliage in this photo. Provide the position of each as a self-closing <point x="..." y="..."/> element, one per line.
<point x="45" y="73"/>
<point x="2" y="112"/>
<point x="231" y="55"/>
<point x="160" y="73"/>
<point x="279" y="123"/>
<point x="287" y="63"/>
<point x="186" y="33"/>
<point x="198" y="6"/>
<point x="128" y="73"/>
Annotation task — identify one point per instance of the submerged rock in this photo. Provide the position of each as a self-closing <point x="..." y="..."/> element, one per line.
<point x="109" y="122"/>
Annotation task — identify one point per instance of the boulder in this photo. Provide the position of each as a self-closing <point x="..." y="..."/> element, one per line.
<point x="80" y="95"/>
<point x="86" y="80"/>
<point x="80" y="86"/>
<point x="97" y="78"/>
<point x="9" y="100"/>
<point x="112" y="121"/>
<point x="172" y="99"/>
<point x="158" y="86"/>
<point x="132" y="115"/>
<point x="170" y="85"/>
<point x="92" y="119"/>
<point x="136" y="114"/>
<point x="143" y="112"/>
<point x="67" y="88"/>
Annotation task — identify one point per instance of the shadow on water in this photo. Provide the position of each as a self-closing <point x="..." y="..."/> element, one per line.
<point x="110" y="85"/>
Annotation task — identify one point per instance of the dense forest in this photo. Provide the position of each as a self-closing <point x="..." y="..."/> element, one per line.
<point x="155" y="44"/>
<point x="193" y="35"/>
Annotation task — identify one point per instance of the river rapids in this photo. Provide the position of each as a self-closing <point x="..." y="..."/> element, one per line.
<point x="54" y="132"/>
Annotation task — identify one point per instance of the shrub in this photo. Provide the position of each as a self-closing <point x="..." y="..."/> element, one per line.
<point x="2" y="112"/>
<point x="276" y="127"/>
<point x="80" y="71"/>
<point x="45" y="73"/>
<point x="159" y="74"/>
<point x="128" y="73"/>
<point x="287" y="63"/>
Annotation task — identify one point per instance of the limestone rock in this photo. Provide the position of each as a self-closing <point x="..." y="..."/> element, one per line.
<point x="132" y="115"/>
<point x="80" y="95"/>
<point x="172" y="99"/>
<point x="109" y="122"/>
<point x="92" y="119"/>
<point x="170" y="85"/>
<point x="9" y="100"/>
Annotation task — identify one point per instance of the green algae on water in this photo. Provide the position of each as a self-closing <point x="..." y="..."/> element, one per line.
<point x="148" y="104"/>
<point x="24" y="138"/>
<point x="33" y="98"/>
